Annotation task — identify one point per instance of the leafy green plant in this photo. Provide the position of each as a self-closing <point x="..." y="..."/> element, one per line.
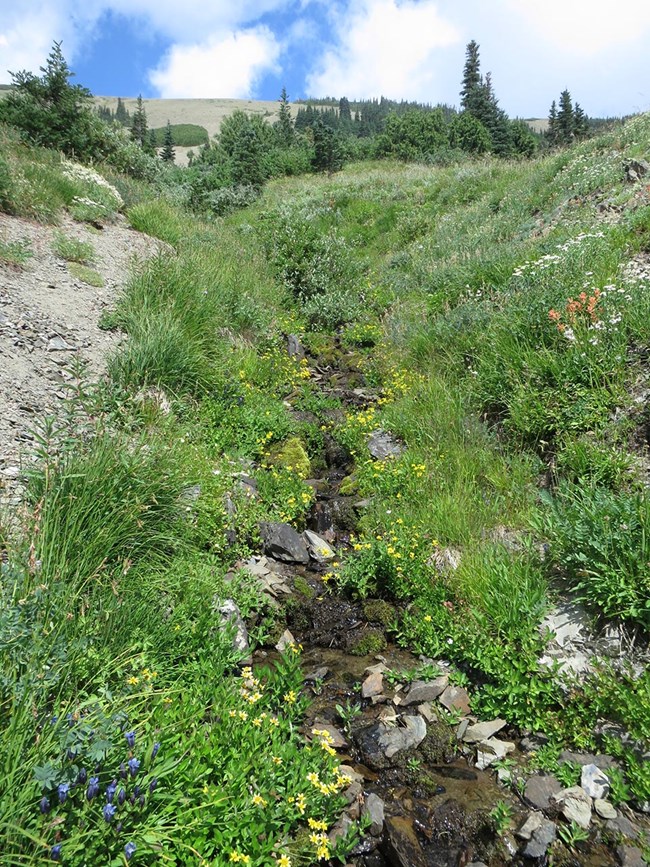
<point x="86" y="275"/>
<point x="16" y="253"/>
<point x="501" y="816"/>
<point x="73" y="250"/>
<point x="572" y="835"/>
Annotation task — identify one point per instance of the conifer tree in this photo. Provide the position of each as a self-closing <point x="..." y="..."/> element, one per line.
<point x="345" y="114"/>
<point x="551" y="131"/>
<point x="327" y="151"/>
<point x="284" y="124"/>
<point x="565" y="120"/>
<point x="580" y="122"/>
<point x="168" y="154"/>
<point x="139" y="126"/>
<point x="121" y="114"/>
<point x="471" y="74"/>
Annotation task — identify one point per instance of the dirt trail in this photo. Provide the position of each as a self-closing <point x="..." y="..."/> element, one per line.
<point x="48" y="318"/>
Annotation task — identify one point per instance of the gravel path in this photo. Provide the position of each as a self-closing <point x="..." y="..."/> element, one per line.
<point x="48" y="318"/>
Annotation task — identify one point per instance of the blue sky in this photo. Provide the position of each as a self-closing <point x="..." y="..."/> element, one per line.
<point x="410" y="49"/>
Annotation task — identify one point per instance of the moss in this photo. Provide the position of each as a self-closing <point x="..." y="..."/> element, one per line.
<point x="300" y="585"/>
<point x="371" y="641"/>
<point x="439" y="746"/>
<point x="291" y="453"/>
<point x="378" y="611"/>
<point x="349" y="486"/>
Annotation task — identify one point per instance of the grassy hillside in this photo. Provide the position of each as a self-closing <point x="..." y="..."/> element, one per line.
<point x="494" y="318"/>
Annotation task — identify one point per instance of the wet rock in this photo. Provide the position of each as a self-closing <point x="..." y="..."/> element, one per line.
<point x="492" y="750"/>
<point x="622" y="825"/>
<point x="319" y="674"/>
<point x="382" y="445"/>
<point x="540" y="840"/>
<point x="482" y="731"/>
<point x="340" y="829"/>
<point x="372" y="685"/>
<point x="353" y="792"/>
<point x="373" y="809"/>
<point x="283" y="542"/>
<point x="594" y="782"/>
<point x="233" y="624"/>
<point x="402" y="845"/>
<point x="425" y="690"/>
<point x="540" y="788"/>
<point x="630" y="856"/>
<point x="575" y="805"/>
<point x="404" y="737"/>
<point x="604" y="809"/>
<point x="318" y="548"/>
<point x="456" y="698"/>
<point x="533" y="823"/>
<point x="582" y="759"/>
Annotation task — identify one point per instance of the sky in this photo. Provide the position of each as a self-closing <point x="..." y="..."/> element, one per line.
<point x="402" y="49"/>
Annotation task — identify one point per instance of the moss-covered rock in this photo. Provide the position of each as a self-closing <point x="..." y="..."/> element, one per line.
<point x="378" y="611"/>
<point x="369" y="641"/>
<point x="291" y="454"/>
<point x="349" y="486"/>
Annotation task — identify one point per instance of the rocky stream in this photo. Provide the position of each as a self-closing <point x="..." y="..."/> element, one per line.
<point x="437" y="786"/>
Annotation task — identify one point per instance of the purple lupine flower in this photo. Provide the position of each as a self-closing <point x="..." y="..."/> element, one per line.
<point x="129" y="849"/>
<point x="154" y="751"/>
<point x="133" y="764"/>
<point x="109" y="812"/>
<point x="130" y="738"/>
<point x="110" y="791"/>
<point x="82" y="776"/>
<point x="44" y="805"/>
<point x="121" y="797"/>
<point x="93" y="788"/>
<point x="153" y="784"/>
<point x="62" y="792"/>
<point x="55" y="852"/>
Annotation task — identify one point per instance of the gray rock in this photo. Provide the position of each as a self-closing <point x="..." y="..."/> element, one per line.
<point x="404" y="737"/>
<point x="232" y="622"/>
<point x="456" y="698"/>
<point x="575" y="805"/>
<point x="353" y="792"/>
<point x="533" y="823"/>
<point x="58" y="344"/>
<point x="294" y="347"/>
<point x="340" y="829"/>
<point x="286" y="640"/>
<point x="492" y="750"/>
<point x="622" y="825"/>
<point x="630" y="856"/>
<point x="569" y="622"/>
<point x="317" y="674"/>
<point x="284" y="543"/>
<point x="482" y="731"/>
<point x="425" y="690"/>
<point x="540" y="788"/>
<point x="382" y="445"/>
<point x="372" y="685"/>
<point x="604" y="809"/>
<point x="582" y="759"/>
<point x="373" y="809"/>
<point x="541" y="839"/>
<point x="319" y="549"/>
<point x="594" y="782"/>
<point x="445" y="560"/>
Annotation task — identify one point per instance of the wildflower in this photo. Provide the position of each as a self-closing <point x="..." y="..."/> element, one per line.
<point x="427" y="618"/>
<point x="290" y="697"/>
<point x="130" y="739"/>
<point x="108" y="812"/>
<point x="82" y="776"/>
<point x="317" y="825"/>
<point x="93" y="788"/>
<point x="301" y="804"/>
<point x="123" y="770"/>
<point x="276" y="760"/>
<point x="284" y="861"/>
<point x="259" y="801"/>
<point x="121" y="797"/>
<point x="133" y="680"/>
<point x="154" y="751"/>
<point x="129" y="849"/>
<point x="133" y="764"/>
<point x="110" y="791"/>
<point x="55" y="852"/>
<point x="152" y="785"/>
<point x="62" y="792"/>
<point x="44" y="805"/>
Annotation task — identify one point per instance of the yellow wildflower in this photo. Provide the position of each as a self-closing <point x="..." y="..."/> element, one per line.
<point x="259" y="801"/>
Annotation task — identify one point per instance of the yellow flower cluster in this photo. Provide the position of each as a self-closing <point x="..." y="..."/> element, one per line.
<point x="239" y="858"/>
<point x="251" y="688"/>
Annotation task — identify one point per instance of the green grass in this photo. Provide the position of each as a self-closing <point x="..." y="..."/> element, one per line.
<point x="85" y="274"/>
<point x="73" y="249"/>
<point x="187" y="135"/>
<point x="16" y="253"/>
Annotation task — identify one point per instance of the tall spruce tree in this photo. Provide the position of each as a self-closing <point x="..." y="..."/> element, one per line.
<point x="471" y="74"/>
<point x="121" y="114"/>
<point x="580" y="122"/>
<point x="168" y="154"/>
<point x="565" y="119"/>
<point x="284" y="124"/>
<point x="551" y="130"/>
<point x="139" y="127"/>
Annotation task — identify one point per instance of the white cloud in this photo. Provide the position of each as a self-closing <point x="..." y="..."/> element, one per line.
<point x="225" y="65"/>
<point x="585" y="28"/>
<point x="386" y="48"/>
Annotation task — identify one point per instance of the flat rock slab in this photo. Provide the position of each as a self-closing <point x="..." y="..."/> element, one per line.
<point x="541" y="839"/>
<point x="284" y="543"/>
<point x="604" y="809"/>
<point x="421" y="691"/>
<point x="575" y="805"/>
<point x="594" y="782"/>
<point x="373" y="810"/>
<point x="372" y="685"/>
<point x="492" y="750"/>
<point x="318" y="548"/>
<point x="404" y="737"/>
<point x="455" y="698"/>
<point x="539" y="790"/>
<point x="482" y="731"/>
